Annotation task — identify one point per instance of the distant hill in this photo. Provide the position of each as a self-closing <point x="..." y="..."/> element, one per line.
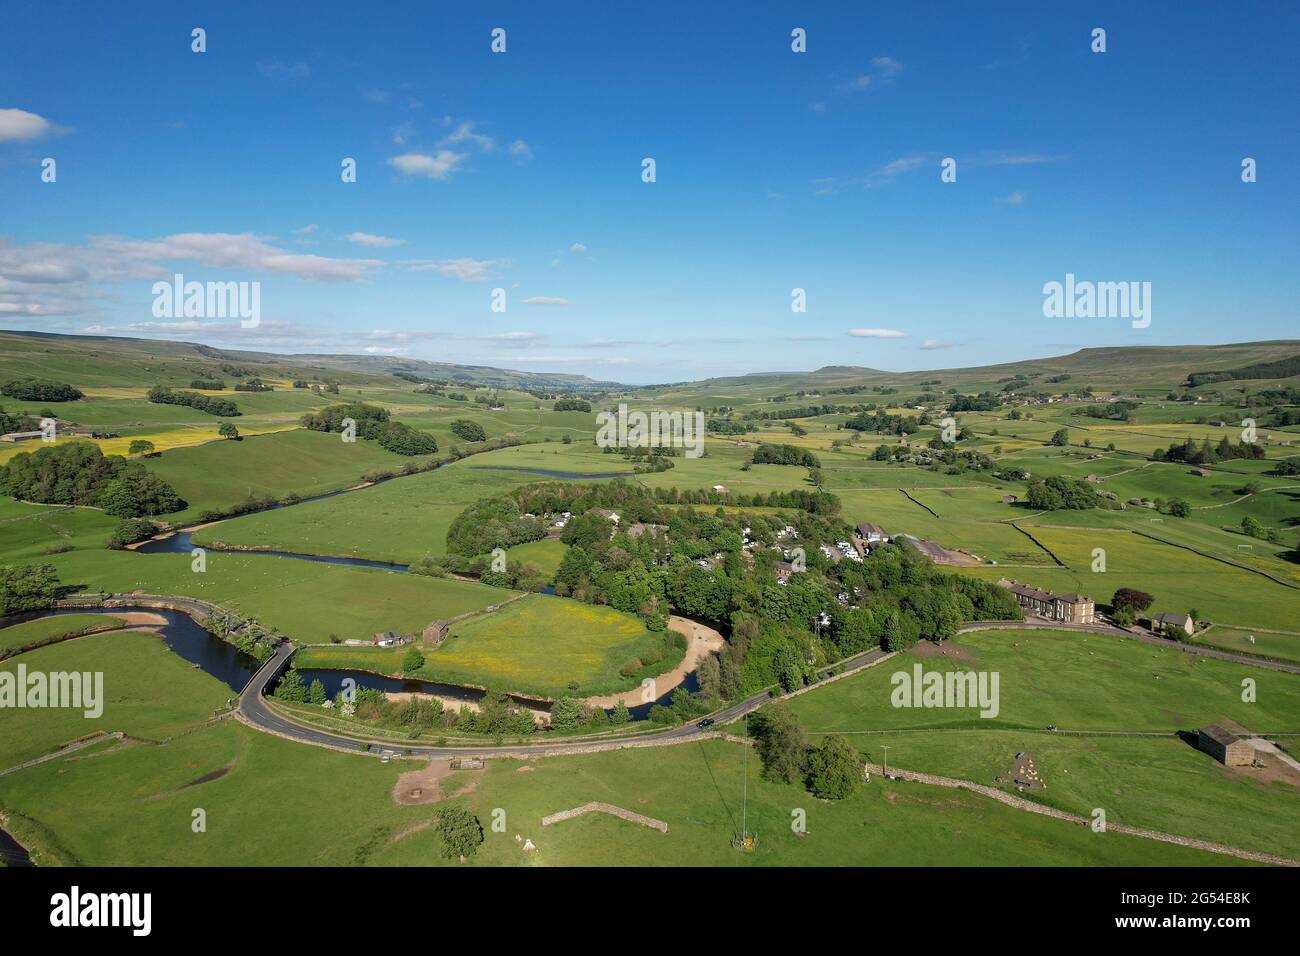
<point x="111" y="360"/>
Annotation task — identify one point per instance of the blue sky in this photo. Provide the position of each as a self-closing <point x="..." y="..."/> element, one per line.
<point x="775" y="170"/>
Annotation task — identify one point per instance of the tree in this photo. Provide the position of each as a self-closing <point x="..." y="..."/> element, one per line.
<point x="460" y="830"/>
<point x="568" y="712"/>
<point x="412" y="661"/>
<point x="1130" y="599"/>
<point x="228" y="430"/>
<point x="1179" y="508"/>
<point x="1061" y="437"/>
<point x="780" y="742"/>
<point x="468" y="430"/>
<point x="834" y="769"/>
<point x="621" y="714"/>
<point x="316" y="693"/>
<point x="1252" y="527"/>
<point x="140" y="446"/>
<point x="27" y="587"/>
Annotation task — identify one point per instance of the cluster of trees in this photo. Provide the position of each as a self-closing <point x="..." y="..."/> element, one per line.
<point x="27" y="587"/>
<point x="1119" y="411"/>
<point x="882" y="423"/>
<point x="1283" y="368"/>
<point x="1059" y="493"/>
<point x="726" y="426"/>
<point x="830" y="771"/>
<point x="1128" y="603"/>
<point x="78" y="473"/>
<point x="253" y="385"/>
<point x="17" y="423"/>
<point x="34" y="390"/>
<point x="983" y="402"/>
<point x="1207" y="454"/>
<point x="468" y="430"/>
<point x="572" y="405"/>
<point x="223" y="407"/>
<point x="211" y="384"/>
<point x="373" y="423"/>
<point x="129" y="531"/>
<point x="497" y="714"/>
<point x="785" y="455"/>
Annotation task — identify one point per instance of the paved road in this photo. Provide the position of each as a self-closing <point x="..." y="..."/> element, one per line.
<point x="254" y="710"/>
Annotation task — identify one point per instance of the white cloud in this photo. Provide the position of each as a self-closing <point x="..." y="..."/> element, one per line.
<point x="467" y="270"/>
<point x="521" y="151"/>
<point x="376" y="96"/>
<point x="883" y="69"/>
<point x="546" y="300"/>
<point x="374" y="242"/>
<point x="877" y="333"/>
<point x="384" y="350"/>
<point x="274" y="69"/>
<point x="464" y="133"/>
<point x="932" y="344"/>
<point x="577" y="248"/>
<point x="20" y="125"/>
<point x="1017" y="198"/>
<point x="306" y="230"/>
<point x="439" y="166"/>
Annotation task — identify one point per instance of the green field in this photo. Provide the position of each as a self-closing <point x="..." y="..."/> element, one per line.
<point x="537" y="645"/>
<point x="148" y="692"/>
<point x="50" y="629"/>
<point x="280" y="803"/>
<point x="305" y="600"/>
<point x="545" y="554"/>
<point x="223" y="474"/>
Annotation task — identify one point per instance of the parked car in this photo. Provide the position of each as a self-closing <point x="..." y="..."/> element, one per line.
<point x="706" y="723"/>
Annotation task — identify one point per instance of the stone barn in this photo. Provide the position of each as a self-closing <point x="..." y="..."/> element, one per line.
<point x="1225" y="746"/>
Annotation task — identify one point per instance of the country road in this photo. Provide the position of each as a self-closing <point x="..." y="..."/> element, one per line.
<point x="254" y="711"/>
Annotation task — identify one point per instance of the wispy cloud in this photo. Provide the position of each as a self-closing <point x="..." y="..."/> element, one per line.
<point x="881" y="71"/>
<point x="439" y="165"/>
<point x="932" y="344"/>
<point x="374" y="242"/>
<point x="464" y="269"/>
<point x="547" y="300"/>
<point x="877" y="334"/>
<point x="520" y="151"/>
<point x="465" y="133"/>
<point x="1016" y="198"/>
<point x="275" y="69"/>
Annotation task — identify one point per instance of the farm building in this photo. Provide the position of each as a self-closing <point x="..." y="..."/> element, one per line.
<point x="872" y="533"/>
<point x="1225" y="746"/>
<point x="1174" y="625"/>
<point x="20" y="436"/>
<point x="1066" y="608"/>
<point x="605" y="513"/>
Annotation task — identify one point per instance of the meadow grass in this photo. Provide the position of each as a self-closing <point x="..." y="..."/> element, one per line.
<point x="148" y="691"/>
<point x="281" y="803"/>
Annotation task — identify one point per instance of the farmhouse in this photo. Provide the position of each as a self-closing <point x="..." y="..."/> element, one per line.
<point x="872" y="533"/>
<point x="638" y="528"/>
<point x="784" y="569"/>
<point x="1174" y="625"/>
<point x="1067" y="608"/>
<point x="1225" y="746"/>
<point x="20" y="436"/>
<point x="605" y="513"/>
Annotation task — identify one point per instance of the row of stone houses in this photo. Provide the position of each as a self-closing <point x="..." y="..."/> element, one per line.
<point x="1066" y="608"/>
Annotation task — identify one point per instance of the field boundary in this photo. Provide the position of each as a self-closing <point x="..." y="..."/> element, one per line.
<point x="1020" y="803"/>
